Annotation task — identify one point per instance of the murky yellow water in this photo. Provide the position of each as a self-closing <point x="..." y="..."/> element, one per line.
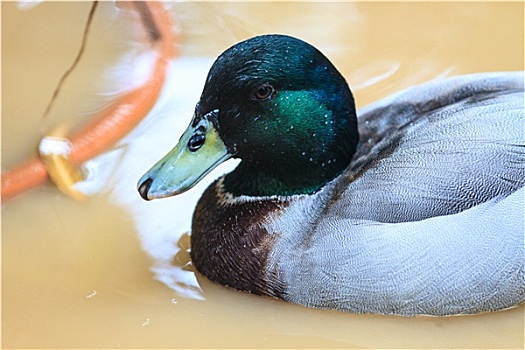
<point x="111" y="272"/>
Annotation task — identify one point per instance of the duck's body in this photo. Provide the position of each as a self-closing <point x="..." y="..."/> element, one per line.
<point x="426" y="218"/>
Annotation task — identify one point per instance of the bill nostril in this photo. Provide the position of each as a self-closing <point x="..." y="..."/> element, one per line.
<point x="144" y="188"/>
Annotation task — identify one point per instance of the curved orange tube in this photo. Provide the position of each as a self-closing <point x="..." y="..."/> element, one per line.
<point x="23" y="178"/>
<point x="113" y="122"/>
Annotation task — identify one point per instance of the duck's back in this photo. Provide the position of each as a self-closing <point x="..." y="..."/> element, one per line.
<point x="429" y="218"/>
<point x="437" y="149"/>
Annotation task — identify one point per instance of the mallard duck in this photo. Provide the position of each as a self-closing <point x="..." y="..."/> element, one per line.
<point x="413" y="207"/>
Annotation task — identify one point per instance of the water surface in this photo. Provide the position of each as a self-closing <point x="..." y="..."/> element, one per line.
<point x="114" y="271"/>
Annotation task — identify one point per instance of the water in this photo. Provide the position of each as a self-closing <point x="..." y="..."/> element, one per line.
<point x="113" y="271"/>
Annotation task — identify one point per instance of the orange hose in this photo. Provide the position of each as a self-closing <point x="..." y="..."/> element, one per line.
<point x="113" y="122"/>
<point x="23" y="177"/>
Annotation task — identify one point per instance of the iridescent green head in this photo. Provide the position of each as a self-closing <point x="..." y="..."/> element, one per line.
<point x="279" y="105"/>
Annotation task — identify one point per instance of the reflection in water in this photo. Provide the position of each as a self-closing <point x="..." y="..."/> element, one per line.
<point x="370" y="75"/>
<point x="179" y="273"/>
<point x="164" y="225"/>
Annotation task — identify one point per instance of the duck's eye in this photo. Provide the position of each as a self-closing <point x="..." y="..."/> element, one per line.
<point x="196" y="141"/>
<point x="264" y="92"/>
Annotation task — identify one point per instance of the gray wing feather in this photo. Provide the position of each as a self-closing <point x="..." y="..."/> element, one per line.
<point x="437" y="149"/>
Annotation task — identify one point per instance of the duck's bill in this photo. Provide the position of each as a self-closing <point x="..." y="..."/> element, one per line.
<point x="198" y="152"/>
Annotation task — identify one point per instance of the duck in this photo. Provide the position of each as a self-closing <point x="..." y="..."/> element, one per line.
<point x="412" y="206"/>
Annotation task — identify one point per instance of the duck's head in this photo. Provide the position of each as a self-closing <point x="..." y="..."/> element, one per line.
<point x="279" y="105"/>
